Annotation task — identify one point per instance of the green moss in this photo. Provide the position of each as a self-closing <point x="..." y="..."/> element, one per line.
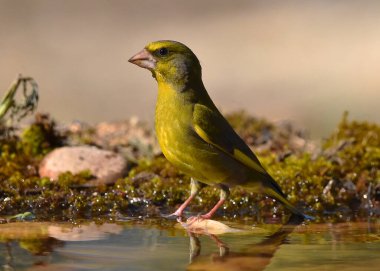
<point x="335" y="182"/>
<point x="40" y="137"/>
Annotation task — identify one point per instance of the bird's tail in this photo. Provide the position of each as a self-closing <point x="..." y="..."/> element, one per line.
<point x="272" y="189"/>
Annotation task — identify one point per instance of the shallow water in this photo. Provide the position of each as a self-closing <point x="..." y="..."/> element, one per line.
<point x="165" y="245"/>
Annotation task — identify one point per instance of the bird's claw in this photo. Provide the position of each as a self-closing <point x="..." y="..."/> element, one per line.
<point x="173" y="215"/>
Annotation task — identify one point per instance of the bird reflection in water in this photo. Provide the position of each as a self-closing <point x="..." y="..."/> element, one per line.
<point x="254" y="257"/>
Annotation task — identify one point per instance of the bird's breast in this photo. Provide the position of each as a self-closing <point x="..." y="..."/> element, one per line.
<point x="173" y="128"/>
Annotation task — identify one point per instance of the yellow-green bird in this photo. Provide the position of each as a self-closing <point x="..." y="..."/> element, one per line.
<point x="193" y="134"/>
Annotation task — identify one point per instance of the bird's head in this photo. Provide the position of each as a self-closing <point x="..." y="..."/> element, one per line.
<point x="169" y="61"/>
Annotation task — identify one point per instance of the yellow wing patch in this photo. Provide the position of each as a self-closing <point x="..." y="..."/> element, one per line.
<point x="237" y="154"/>
<point x="247" y="161"/>
<point x="202" y="133"/>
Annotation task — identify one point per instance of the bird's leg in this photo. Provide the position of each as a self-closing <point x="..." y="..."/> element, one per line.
<point x="223" y="248"/>
<point x="195" y="187"/>
<point x="195" y="246"/>
<point x="224" y="194"/>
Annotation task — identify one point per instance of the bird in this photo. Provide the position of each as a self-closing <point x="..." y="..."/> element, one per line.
<point x="193" y="134"/>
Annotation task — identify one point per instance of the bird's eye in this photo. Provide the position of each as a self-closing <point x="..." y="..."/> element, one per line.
<point x="163" y="51"/>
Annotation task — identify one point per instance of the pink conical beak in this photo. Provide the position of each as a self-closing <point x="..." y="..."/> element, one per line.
<point x="144" y="59"/>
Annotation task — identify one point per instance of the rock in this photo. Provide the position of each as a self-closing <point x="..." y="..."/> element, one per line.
<point x="105" y="166"/>
<point x="131" y="138"/>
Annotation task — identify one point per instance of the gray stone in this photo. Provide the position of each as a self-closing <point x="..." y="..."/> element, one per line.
<point x="105" y="166"/>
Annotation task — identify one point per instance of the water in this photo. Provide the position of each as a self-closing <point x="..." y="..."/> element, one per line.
<point x="165" y="245"/>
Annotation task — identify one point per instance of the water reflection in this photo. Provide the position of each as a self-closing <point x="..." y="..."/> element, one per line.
<point x="88" y="232"/>
<point x="39" y="248"/>
<point x="155" y="244"/>
<point x="252" y="257"/>
<point x="41" y="239"/>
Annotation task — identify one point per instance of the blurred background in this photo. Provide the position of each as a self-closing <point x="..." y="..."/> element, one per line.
<point x="303" y="61"/>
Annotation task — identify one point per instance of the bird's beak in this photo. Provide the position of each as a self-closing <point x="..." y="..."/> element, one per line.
<point x="144" y="59"/>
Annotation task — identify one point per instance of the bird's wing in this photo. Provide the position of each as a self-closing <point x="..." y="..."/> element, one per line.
<point x="213" y="128"/>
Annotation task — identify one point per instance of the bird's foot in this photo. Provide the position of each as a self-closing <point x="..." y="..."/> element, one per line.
<point x="176" y="215"/>
<point x="179" y="212"/>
